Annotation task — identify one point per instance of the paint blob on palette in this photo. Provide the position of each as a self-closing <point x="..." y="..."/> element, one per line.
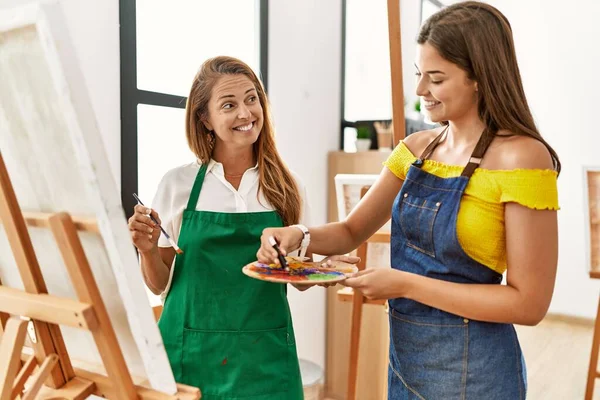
<point x="300" y="272"/>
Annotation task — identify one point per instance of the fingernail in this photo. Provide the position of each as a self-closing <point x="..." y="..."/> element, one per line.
<point x="149" y="236"/>
<point x="150" y="230"/>
<point x="148" y="210"/>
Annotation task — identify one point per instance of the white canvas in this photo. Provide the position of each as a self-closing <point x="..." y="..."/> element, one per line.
<point x="56" y="160"/>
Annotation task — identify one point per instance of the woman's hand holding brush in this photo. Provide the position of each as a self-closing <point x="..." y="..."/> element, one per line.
<point x="144" y="231"/>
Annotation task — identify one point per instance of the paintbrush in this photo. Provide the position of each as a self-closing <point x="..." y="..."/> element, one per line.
<point x="280" y="256"/>
<point x="171" y="241"/>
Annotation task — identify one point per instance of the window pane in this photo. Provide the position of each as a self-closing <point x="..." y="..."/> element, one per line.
<point x="174" y="38"/>
<point x="161" y="146"/>
<point x="368" y="93"/>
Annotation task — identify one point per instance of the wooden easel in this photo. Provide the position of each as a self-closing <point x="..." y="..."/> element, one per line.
<point x="593" y="373"/>
<point x="357" y="299"/>
<point x="49" y="372"/>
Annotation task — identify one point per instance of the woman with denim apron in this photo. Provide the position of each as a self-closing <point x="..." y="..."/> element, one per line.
<point x="479" y="200"/>
<point x="435" y="354"/>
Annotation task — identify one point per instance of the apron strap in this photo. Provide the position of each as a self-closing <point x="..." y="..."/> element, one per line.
<point x="193" y="200"/>
<point x="481" y="147"/>
<point x="486" y="138"/>
<point x="432" y="146"/>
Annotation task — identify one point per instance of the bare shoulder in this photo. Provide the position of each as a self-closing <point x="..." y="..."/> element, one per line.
<point x="514" y="152"/>
<point x="416" y="142"/>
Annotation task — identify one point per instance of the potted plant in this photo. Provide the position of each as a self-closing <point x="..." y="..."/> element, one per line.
<point x="363" y="138"/>
<point x="414" y="111"/>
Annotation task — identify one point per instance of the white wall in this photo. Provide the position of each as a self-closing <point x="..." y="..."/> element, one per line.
<point x="304" y="89"/>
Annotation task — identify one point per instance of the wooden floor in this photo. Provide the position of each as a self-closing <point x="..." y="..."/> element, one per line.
<point x="557" y="353"/>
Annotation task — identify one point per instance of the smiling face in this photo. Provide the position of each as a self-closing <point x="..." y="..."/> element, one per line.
<point x="447" y="94"/>
<point x="234" y="112"/>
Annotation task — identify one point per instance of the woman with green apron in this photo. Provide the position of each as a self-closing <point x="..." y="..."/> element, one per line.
<point x="225" y="333"/>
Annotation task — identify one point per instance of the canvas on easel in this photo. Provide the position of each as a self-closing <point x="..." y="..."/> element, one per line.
<point x="64" y="190"/>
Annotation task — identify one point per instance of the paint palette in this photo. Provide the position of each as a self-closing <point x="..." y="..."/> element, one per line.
<point x="300" y="272"/>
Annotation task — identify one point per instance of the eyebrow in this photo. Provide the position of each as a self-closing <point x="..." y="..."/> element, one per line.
<point x="436" y="71"/>
<point x="230" y="95"/>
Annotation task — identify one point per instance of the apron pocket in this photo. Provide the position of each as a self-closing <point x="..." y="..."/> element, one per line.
<point x="237" y="363"/>
<point x="417" y="217"/>
<point x="429" y="354"/>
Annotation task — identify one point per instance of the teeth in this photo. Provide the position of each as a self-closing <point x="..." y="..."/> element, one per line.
<point x="245" y="127"/>
<point x="430" y="103"/>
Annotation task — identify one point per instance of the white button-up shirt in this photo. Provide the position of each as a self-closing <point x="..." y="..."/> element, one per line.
<point x="217" y="195"/>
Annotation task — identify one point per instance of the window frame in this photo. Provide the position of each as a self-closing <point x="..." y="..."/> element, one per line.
<point x="131" y="96"/>
<point x="369" y="123"/>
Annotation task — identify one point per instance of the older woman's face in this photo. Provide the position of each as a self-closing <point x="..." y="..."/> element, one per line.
<point x="447" y="94"/>
<point x="234" y="111"/>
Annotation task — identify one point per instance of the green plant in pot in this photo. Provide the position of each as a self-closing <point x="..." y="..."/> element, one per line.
<point x="363" y="138"/>
<point x="418" y="105"/>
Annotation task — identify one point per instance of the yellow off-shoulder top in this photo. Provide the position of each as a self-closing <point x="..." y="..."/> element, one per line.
<point x="480" y="226"/>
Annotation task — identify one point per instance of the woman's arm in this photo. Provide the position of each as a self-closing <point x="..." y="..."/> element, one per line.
<point x="532" y="255"/>
<point x="156" y="268"/>
<point x="532" y="246"/>
<point x="369" y="215"/>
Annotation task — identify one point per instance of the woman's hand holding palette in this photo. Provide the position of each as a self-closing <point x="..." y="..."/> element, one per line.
<point x="300" y="272"/>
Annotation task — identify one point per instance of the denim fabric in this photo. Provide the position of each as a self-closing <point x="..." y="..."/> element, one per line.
<point x="435" y="354"/>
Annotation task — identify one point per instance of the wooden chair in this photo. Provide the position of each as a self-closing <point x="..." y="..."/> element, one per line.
<point x="357" y="299"/>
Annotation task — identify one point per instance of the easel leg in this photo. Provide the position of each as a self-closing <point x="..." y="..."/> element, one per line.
<point x="31" y="275"/>
<point x="24" y="374"/>
<point x="357" y="305"/>
<point x="79" y="270"/>
<point x="3" y="319"/>
<point x="42" y="374"/>
<point x="10" y="355"/>
<point x="593" y="368"/>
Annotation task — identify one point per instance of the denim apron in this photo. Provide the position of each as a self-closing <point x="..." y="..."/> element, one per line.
<point x="224" y="332"/>
<point x="436" y="355"/>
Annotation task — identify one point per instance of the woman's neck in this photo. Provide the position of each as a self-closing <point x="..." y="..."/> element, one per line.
<point x="235" y="161"/>
<point x="464" y="132"/>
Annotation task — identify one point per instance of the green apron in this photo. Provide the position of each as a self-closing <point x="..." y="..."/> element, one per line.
<point x="224" y="332"/>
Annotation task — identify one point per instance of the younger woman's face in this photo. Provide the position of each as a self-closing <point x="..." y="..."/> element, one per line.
<point x="234" y="111"/>
<point x="446" y="92"/>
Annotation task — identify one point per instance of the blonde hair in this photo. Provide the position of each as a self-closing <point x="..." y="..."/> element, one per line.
<point x="275" y="180"/>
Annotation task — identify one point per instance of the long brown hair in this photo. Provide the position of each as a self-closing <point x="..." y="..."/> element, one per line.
<point x="478" y="38"/>
<point x="275" y="180"/>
